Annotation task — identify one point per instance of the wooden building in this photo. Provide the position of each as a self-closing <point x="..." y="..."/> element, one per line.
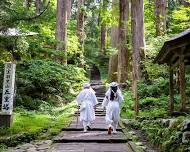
<point x="176" y="54"/>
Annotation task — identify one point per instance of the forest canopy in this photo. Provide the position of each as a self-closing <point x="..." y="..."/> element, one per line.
<point x="55" y="44"/>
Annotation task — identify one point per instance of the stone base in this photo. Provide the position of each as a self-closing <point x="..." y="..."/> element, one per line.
<point x="6" y="120"/>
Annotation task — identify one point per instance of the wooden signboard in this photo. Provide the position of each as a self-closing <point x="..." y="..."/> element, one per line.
<point x="7" y="95"/>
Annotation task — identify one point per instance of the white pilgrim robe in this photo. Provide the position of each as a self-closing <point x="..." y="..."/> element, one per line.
<point x="112" y="108"/>
<point x="87" y="100"/>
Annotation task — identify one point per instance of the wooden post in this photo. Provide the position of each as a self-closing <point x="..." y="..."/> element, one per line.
<point x="135" y="97"/>
<point x="171" y="91"/>
<point x="182" y="82"/>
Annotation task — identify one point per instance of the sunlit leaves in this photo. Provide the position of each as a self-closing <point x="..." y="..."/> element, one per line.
<point x="180" y="19"/>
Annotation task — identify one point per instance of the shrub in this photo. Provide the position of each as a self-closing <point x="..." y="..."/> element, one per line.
<point x="152" y="102"/>
<point x="156" y="89"/>
<point x="40" y="81"/>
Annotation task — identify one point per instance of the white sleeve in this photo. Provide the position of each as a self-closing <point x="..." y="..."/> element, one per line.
<point x="80" y="97"/>
<point x="106" y="99"/>
<point x="108" y="92"/>
<point x="94" y="99"/>
<point x="105" y="102"/>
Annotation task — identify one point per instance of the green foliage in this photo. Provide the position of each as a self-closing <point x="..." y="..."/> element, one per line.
<point x="149" y="18"/>
<point x="13" y="11"/>
<point x="30" y="125"/>
<point x="128" y="101"/>
<point x="159" y="87"/>
<point x="151" y="102"/>
<point x="3" y="147"/>
<point x="46" y="81"/>
<point x="168" y="139"/>
<point x="180" y="19"/>
<point x="153" y="99"/>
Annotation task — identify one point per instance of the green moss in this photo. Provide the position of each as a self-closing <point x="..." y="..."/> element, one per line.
<point x="30" y="125"/>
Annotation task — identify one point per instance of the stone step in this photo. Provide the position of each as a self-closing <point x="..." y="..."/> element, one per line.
<point x="100" y="101"/>
<point x="100" y="94"/>
<point x="66" y="140"/>
<point x="91" y="136"/>
<point x="99" y="89"/>
<point x="96" y="114"/>
<point x="89" y="147"/>
<point x="100" y="98"/>
<point x="92" y="129"/>
<point x="98" y="108"/>
<point x="100" y="115"/>
<point x="95" y="82"/>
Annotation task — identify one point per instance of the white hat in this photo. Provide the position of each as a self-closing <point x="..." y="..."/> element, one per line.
<point x="114" y="84"/>
<point x="86" y="85"/>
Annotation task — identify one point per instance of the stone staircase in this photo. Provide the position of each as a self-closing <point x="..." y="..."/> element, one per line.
<point x="73" y="139"/>
<point x="100" y="90"/>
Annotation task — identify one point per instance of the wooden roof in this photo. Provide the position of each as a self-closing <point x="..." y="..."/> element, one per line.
<point x="14" y="32"/>
<point x="173" y="48"/>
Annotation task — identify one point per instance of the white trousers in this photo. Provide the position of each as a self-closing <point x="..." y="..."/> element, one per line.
<point x="112" y="114"/>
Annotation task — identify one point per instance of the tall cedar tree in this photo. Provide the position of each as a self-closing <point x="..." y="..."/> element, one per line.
<point x="123" y="54"/>
<point x="160" y="16"/>
<point x="61" y="28"/>
<point x="38" y="4"/>
<point x="103" y="29"/>
<point x="113" y="59"/>
<point x="138" y="43"/>
<point x="80" y="28"/>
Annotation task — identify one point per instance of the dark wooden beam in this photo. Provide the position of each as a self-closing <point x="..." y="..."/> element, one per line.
<point x="173" y="54"/>
<point x="173" y="58"/>
<point x="170" y="52"/>
<point x="182" y="82"/>
<point x="171" y="91"/>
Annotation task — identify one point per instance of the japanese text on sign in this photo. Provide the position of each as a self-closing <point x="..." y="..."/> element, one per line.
<point x="8" y="88"/>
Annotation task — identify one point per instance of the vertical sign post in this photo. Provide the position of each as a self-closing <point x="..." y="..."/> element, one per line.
<point x="8" y="95"/>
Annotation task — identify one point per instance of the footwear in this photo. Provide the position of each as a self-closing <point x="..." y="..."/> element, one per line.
<point x="114" y="132"/>
<point x="85" y="129"/>
<point x="109" y="130"/>
<point x="88" y="128"/>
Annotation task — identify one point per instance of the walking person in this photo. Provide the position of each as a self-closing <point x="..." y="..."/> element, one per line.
<point x="111" y="103"/>
<point x="87" y="101"/>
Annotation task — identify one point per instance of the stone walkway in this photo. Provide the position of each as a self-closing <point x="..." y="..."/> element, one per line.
<point x="72" y="139"/>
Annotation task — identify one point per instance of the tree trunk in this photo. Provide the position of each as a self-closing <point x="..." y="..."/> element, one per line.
<point x="182" y="82"/>
<point x="115" y="28"/>
<point x="80" y="29"/>
<point x="160" y="13"/>
<point x="65" y="22"/>
<point x="69" y="6"/>
<point x="28" y="3"/>
<point x="171" y="91"/>
<point x="103" y="39"/>
<point x="113" y="62"/>
<point x="185" y="3"/>
<point x="38" y="6"/>
<point x="113" y="59"/>
<point x="61" y="30"/>
<point x="123" y="54"/>
<point x="115" y="36"/>
<point x="138" y="43"/>
<point x="103" y="28"/>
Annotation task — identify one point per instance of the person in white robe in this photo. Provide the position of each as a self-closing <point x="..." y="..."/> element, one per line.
<point x="112" y="101"/>
<point x="87" y="101"/>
